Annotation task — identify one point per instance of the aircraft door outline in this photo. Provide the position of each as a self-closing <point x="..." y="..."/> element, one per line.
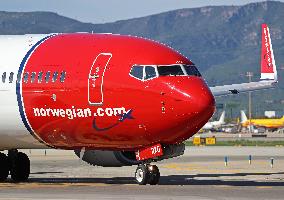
<point x="96" y="79"/>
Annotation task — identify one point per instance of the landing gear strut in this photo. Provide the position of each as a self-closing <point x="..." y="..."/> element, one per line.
<point x="17" y="163"/>
<point x="147" y="174"/>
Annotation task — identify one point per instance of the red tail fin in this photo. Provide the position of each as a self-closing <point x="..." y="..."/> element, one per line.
<point x="268" y="66"/>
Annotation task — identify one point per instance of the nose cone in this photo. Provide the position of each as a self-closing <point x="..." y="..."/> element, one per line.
<point x="193" y="105"/>
<point x="200" y="100"/>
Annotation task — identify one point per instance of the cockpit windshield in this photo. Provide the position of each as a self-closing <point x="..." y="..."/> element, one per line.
<point x="143" y="72"/>
<point x="191" y="70"/>
<point x="170" y="70"/>
<point x="148" y="72"/>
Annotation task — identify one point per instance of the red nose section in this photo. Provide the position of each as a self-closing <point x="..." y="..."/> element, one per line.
<point x="193" y="105"/>
<point x="200" y="99"/>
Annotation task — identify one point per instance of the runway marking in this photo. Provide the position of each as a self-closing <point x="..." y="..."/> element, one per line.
<point x="49" y="185"/>
<point x="215" y="168"/>
<point x="264" y="187"/>
<point x="195" y="167"/>
<point x="223" y="186"/>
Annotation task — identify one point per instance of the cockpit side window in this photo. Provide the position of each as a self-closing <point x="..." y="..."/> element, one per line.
<point x="150" y="72"/>
<point x="191" y="70"/>
<point x="137" y="72"/>
<point x="170" y="70"/>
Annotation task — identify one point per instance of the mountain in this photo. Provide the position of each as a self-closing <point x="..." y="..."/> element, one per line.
<point x="38" y="22"/>
<point x="224" y="41"/>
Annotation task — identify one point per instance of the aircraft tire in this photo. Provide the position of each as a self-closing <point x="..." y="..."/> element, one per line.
<point x="4" y="167"/>
<point x="20" y="169"/>
<point x="142" y="175"/>
<point x="154" y="175"/>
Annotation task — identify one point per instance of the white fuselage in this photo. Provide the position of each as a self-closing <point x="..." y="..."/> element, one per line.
<point x="212" y="125"/>
<point x="13" y="133"/>
<point x="215" y="124"/>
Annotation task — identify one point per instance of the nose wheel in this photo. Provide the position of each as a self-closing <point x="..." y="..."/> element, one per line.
<point x="147" y="174"/>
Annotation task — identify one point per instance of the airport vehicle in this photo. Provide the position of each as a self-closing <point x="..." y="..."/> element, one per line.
<point x="268" y="124"/>
<point x="115" y="100"/>
<point x="215" y="124"/>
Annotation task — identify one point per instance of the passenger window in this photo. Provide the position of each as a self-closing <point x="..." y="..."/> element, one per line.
<point x="26" y="77"/>
<point x="137" y="72"/>
<point x="47" y="77"/>
<point x="11" y="77"/>
<point x="4" y="77"/>
<point x="62" y="76"/>
<point x="40" y="74"/>
<point x="19" y="78"/>
<point x="55" y="75"/>
<point x="150" y="72"/>
<point x="33" y="77"/>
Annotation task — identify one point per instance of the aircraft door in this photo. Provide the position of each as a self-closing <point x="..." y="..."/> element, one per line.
<point x="96" y="79"/>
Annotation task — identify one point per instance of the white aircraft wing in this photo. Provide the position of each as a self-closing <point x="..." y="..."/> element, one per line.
<point x="268" y="71"/>
<point x="243" y="87"/>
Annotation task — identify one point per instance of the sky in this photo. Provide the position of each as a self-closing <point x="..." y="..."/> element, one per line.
<point x="102" y="11"/>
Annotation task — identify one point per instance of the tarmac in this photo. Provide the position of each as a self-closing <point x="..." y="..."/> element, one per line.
<point x="220" y="136"/>
<point x="199" y="174"/>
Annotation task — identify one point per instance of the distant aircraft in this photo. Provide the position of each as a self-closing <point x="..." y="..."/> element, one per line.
<point x="215" y="124"/>
<point x="115" y="100"/>
<point x="272" y="124"/>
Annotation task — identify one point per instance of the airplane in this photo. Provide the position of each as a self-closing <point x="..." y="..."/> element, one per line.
<point x="115" y="100"/>
<point x="272" y="124"/>
<point x="215" y="124"/>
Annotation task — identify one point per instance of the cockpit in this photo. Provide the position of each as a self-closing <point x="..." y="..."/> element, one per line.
<point x="148" y="72"/>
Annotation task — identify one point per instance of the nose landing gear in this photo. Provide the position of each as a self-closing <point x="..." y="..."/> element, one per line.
<point x="147" y="174"/>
